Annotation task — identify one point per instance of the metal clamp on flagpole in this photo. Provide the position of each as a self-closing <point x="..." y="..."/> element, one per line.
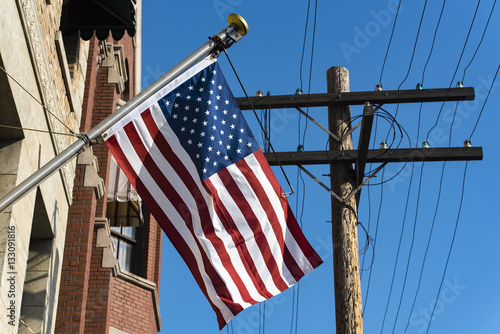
<point x="236" y="29"/>
<point x="234" y="36"/>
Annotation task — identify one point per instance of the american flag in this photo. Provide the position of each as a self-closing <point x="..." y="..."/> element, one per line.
<point x="193" y="160"/>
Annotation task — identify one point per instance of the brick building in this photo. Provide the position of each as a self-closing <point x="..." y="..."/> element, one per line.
<point x="81" y="264"/>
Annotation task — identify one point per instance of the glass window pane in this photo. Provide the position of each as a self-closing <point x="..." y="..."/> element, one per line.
<point x="115" y="242"/>
<point x="125" y="256"/>
<point x="129" y="231"/>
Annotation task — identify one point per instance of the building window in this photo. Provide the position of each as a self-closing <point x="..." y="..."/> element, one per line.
<point x="126" y="233"/>
<point x="124" y="238"/>
<point x="72" y="48"/>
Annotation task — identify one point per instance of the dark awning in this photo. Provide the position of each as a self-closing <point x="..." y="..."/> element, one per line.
<point x="101" y="16"/>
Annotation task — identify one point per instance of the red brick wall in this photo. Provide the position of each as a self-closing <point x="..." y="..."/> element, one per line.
<point x="91" y="298"/>
<point x="78" y="245"/>
<point x="150" y="247"/>
<point x="159" y="240"/>
<point x="99" y="294"/>
<point x="90" y="87"/>
<point x="132" y="308"/>
<point x="76" y="259"/>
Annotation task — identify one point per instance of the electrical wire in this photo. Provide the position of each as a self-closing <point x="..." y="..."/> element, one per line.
<point x="304" y="42"/>
<point x="389" y="44"/>
<point x="451" y="246"/>
<point x="260" y="318"/>
<point x="433" y="41"/>
<point x="399" y="248"/>
<point x="374" y="243"/>
<point x="258" y="120"/>
<point x="297" y="308"/>
<point x="296" y="288"/>
<point x="486" y="100"/>
<point x="440" y="184"/>
<point x="414" y="48"/>
<point x="264" y="318"/>
<point x="481" y="40"/>
<point x="403" y="133"/>
<point x="403" y="224"/>
<point x="411" y="247"/>
<point x="442" y="175"/>
<point x="367" y="245"/>
<point x="394" y="120"/>
<point x="369" y="200"/>
<point x="427" y="246"/>
<point x="38" y="101"/>
<point x="293" y="309"/>
<point x="397" y="107"/>
<point x="229" y="325"/>
<point x="456" y="69"/>
<point x="412" y="56"/>
<point x="310" y="68"/>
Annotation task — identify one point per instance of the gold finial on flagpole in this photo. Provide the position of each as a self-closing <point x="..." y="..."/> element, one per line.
<point x="239" y="22"/>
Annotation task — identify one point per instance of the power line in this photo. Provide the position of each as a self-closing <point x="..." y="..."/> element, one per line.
<point x="374" y="242"/>
<point x="304" y="42"/>
<point x="451" y="246"/>
<point x="486" y="100"/>
<point x="414" y="47"/>
<point x="427" y="246"/>
<point x="301" y="63"/>
<point x="433" y="40"/>
<point x="296" y="288"/>
<point x="399" y="248"/>
<point x="389" y="44"/>
<point x="456" y="69"/>
<point x="403" y="224"/>
<point x="388" y="117"/>
<point x="257" y="117"/>
<point x="293" y="309"/>
<point x="441" y="180"/>
<point x="411" y="247"/>
<point x="412" y="55"/>
<point x="481" y="41"/>
<point x="311" y="66"/>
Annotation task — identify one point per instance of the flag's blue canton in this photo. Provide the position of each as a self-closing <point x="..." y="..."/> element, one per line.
<point x="208" y="122"/>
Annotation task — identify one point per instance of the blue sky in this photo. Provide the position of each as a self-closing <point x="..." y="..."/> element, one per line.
<point x="356" y="35"/>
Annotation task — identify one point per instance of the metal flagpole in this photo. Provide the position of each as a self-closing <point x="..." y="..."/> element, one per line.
<point x="236" y="29"/>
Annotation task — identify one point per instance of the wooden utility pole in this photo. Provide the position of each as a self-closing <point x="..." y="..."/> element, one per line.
<point x="347" y="180"/>
<point x="348" y="306"/>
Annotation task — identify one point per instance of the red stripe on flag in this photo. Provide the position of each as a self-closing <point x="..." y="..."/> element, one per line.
<point x="176" y="239"/>
<point x="252" y="221"/>
<point x="238" y="239"/>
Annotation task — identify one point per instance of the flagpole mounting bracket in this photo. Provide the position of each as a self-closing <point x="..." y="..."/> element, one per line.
<point x="87" y="141"/>
<point x="240" y="29"/>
